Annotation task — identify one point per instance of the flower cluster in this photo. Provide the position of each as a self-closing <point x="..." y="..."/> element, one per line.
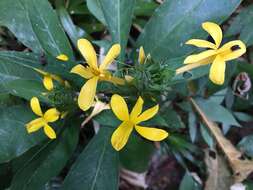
<point x="94" y="73"/>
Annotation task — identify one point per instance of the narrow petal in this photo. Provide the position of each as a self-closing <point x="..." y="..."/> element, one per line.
<point x="215" y="31"/>
<point x="48" y="82"/>
<point x="40" y="71"/>
<point x="62" y="57"/>
<point x="88" y="52"/>
<point x="120" y="135"/>
<point x="217" y="71"/>
<point x="35" y="125"/>
<point x="114" y="80"/>
<point x="191" y="66"/>
<point x="35" y="106"/>
<point x="87" y="94"/>
<point x="49" y="132"/>
<point x="82" y="71"/>
<point x="148" y="114"/>
<point x="201" y="43"/>
<point x="111" y="55"/>
<point x="51" y="115"/>
<point x="142" y="56"/>
<point x="119" y="107"/>
<point x="137" y="109"/>
<point x="152" y="134"/>
<point x="198" y="57"/>
<point x="227" y="52"/>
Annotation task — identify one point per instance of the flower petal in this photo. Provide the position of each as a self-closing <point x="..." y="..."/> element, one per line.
<point x="199" y="57"/>
<point x="152" y="134"/>
<point x="62" y="57"/>
<point x="201" y="43"/>
<point x="119" y="107"/>
<point x="228" y="54"/>
<point x="48" y="82"/>
<point x="49" y="132"/>
<point x="121" y="134"/>
<point x="51" y="115"/>
<point x="35" y="106"/>
<point x="111" y="55"/>
<point x="215" y="31"/>
<point x="115" y="80"/>
<point x="137" y="109"/>
<point x="35" y="125"/>
<point x="217" y="71"/>
<point x="87" y="94"/>
<point x="82" y="71"/>
<point x="146" y="115"/>
<point x="142" y="56"/>
<point x="88" y="52"/>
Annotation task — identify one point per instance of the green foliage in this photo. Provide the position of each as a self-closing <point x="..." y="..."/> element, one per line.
<point x="33" y="33"/>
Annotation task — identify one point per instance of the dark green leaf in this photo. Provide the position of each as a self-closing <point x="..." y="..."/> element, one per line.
<point x="27" y="89"/>
<point x="220" y="114"/>
<point x="130" y="154"/>
<point x="72" y="30"/>
<point x="206" y="136"/>
<point x="97" y="166"/>
<point x="118" y="16"/>
<point x="14" y="139"/>
<point x="95" y="8"/>
<point x="245" y="145"/>
<point x="188" y="183"/>
<point x="47" y="162"/>
<point x="14" y="16"/>
<point x="242" y="25"/>
<point x="47" y="28"/>
<point x="166" y="32"/>
<point x="172" y="119"/>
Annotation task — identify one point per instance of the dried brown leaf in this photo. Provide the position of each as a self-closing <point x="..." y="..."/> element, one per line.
<point x="241" y="167"/>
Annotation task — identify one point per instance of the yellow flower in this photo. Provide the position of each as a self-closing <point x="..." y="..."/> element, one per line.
<point x="142" y="56"/>
<point x="215" y="55"/>
<point x="94" y="73"/>
<point x="48" y="78"/>
<point x="130" y="121"/>
<point x="50" y="115"/>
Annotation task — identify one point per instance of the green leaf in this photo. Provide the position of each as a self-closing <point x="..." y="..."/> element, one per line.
<point x="130" y="154"/>
<point x="27" y="89"/>
<point x="9" y="71"/>
<point x="97" y="166"/>
<point x="47" y="28"/>
<point x="192" y="121"/>
<point x="118" y="16"/>
<point x="188" y="183"/>
<point x="216" y="112"/>
<point x="242" y="24"/>
<point x="206" y="136"/>
<point x="175" y="22"/>
<point x="245" y="145"/>
<point x="14" y="16"/>
<point x="73" y="31"/>
<point x="23" y="60"/>
<point x="95" y="8"/>
<point x="36" y="25"/>
<point x="14" y="139"/>
<point x="173" y="119"/>
<point x="47" y="162"/>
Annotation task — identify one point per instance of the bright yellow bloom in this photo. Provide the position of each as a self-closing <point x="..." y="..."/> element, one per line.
<point x="50" y="115"/>
<point x="48" y="78"/>
<point x="215" y="55"/>
<point x="142" y="56"/>
<point x="94" y="73"/>
<point x="130" y="121"/>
